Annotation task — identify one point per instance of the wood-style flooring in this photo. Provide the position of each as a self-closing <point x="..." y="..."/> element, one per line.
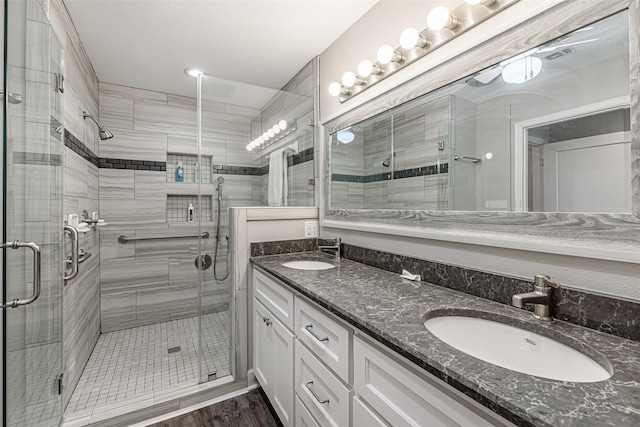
<point x="248" y="410"/>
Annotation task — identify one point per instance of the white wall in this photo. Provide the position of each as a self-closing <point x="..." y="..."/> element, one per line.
<point x="382" y="24"/>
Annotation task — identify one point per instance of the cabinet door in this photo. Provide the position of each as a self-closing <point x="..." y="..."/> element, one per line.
<point x="282" y="399"/>
<point x="262" y="348"/>
<point x="363" y="416"/>
<point x="406" y="399"/>
<point x="303" y="417"/>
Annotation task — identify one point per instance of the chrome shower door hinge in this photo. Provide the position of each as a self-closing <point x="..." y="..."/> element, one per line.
<point x="441" y="145"/>
<point x="59" y="383"/>
<point x="60" y="82"/>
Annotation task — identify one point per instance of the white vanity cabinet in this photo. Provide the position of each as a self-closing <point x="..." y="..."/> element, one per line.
<point x="273" y="344"/>
<point x="305" y="357"/>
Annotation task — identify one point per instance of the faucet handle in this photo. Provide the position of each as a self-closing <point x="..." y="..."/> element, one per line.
<point x="543" y="281"/>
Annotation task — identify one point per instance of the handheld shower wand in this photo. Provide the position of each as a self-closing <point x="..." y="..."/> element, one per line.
<point x="215" y="254"/>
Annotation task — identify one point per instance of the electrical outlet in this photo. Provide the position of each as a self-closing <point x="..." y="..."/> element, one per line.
<point x="311" y="229"/>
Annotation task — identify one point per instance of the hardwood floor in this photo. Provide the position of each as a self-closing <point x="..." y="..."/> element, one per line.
<point x="249" y="410"/>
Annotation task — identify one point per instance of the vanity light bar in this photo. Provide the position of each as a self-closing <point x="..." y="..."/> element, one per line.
<point x="442" y="26"/>
<point x="272" y="134"/>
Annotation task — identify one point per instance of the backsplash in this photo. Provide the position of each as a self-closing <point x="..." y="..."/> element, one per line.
<point x="603" y="313"/>
<point x="283" y="247"/>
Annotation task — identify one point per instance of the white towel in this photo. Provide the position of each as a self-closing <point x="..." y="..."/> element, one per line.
<point x="277" y="178"/>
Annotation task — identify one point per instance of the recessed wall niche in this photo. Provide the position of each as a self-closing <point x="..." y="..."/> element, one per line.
<point x="189" y="166"/>
<point x="178" y="205"/>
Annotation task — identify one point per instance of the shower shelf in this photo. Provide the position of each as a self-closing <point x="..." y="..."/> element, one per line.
<point x="188" y="160"/>
<point x="177" y="208"/>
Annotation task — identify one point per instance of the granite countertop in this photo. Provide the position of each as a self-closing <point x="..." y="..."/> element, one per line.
<point x="392" y="310"/>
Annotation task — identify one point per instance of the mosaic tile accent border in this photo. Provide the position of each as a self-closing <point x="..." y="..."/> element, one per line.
<point x="140" y="165"/>
<point x="405" y="173"/>
<point x="108" y="163"/>
<point x="603" y="313"/>
<point x="44" y="159"/>
<point x="79" y="148"/>
<point x="293" y="160"/>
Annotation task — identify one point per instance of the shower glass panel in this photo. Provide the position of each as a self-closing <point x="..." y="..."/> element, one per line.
<point x="231" y="116"/>
<point x="480" y="162"/>
<point x="31" y="213"/>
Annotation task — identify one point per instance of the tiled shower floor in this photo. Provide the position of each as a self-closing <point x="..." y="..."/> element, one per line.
<point x="133" y="363"/>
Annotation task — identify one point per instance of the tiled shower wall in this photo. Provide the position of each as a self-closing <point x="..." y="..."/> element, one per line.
<point x="416" y="178"/>
<point x="154" y="281"/>
<point x="300" y="166"/>
<point x="81" y="298"/>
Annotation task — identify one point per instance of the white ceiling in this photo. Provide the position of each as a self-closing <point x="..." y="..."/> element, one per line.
<point x="148" y="43"/>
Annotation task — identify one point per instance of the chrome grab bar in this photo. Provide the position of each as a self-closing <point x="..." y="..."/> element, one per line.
<point x="320" y="400"/>
<point x="310" y="330"/>
<point x="473" y="159"/>
<point x="126" y="239"/>
<point x="83" y="256"/>
<point x="37" y="272"/>
<point x="72" y="260"/>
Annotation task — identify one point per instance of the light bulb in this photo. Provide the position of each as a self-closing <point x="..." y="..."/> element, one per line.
<point x="439" y="18"/>
<point x="282" y="124"/>
<point x="387" y="54"/>
<point x="411" y="38"/>
<point x="249" y="148"/>
<point x="271" y="133"/>
<point x="349" y="79"/>
<point x="260" y="140"/>
<point x="265" y="136"/>
<point x="488" y="156"/>
<point x="276" y="128"/>
<point x="335" y="89"/>
<point x="366" y="68"/>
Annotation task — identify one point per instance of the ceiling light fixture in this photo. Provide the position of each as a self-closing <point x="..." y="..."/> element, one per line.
<point x="193" y="72"/>
<point x="346" y="136"/>
<point x="522" y="70"/>
<point x="415" y="44"/>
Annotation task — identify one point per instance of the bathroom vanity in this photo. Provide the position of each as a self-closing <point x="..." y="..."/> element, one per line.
<point x="348" y="346"/>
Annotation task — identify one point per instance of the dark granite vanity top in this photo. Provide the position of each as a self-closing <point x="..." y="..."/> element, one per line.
<point x="392" y="310"/>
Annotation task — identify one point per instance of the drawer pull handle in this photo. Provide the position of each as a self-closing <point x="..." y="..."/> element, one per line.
<point x="309" y="329"/>
<point x="266" y="320"/>
<point x="322" y="401"/>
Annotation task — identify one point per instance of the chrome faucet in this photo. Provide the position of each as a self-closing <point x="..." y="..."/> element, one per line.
<point x="335" y="247"/>
<point x="540" y="297"/>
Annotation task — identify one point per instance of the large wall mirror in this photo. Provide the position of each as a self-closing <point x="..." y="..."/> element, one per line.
<point x="547" y="130"/>
<point x="542" y="137"/>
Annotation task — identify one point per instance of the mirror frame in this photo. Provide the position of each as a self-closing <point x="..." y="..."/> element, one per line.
<point x="614" y="237"/>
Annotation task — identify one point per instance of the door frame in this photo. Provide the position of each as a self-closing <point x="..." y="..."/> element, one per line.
<point x="521" y="160"/>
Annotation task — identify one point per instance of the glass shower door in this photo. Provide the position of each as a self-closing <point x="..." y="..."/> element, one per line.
<point x="31" y="218"/>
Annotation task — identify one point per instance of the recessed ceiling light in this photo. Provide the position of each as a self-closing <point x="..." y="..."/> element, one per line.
<point x="193" y="72"/>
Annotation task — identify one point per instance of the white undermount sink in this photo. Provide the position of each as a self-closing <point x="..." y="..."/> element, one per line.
<point x="309" y="265"/>
<point x="516" y="349"/>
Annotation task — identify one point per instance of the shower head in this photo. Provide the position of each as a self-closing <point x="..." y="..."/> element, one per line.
<point x="387" y="162"/>
<point x="220" y="180"/>
<point x="103" y="132"/>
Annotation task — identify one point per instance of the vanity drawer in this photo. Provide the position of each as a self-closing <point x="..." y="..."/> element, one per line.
<point x="363" y="416"/>
<point x="275" y="297"/>
<point x="303" y="416"/>
<point x="321" y="392"/>
<point x="327" y="339"/>
<point x="406" y="397"/>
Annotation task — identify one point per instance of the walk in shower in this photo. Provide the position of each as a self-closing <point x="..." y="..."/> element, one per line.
<point x="151" y="318"/>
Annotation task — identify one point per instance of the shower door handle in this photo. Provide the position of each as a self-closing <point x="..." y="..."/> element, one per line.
<point x="71" y="261"/>
<point x="37" y="272"/>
